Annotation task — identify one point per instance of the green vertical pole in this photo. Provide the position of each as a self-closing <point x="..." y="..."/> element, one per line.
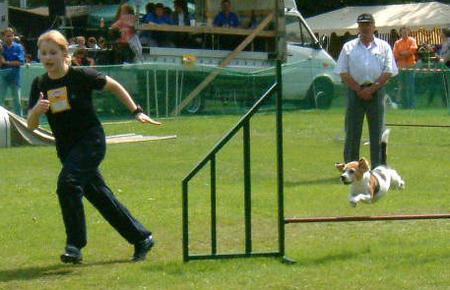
<point x="247" y="189"/>
<point x="213" y="206"/>
<point x="280" y="177"/>
<point x="185" y="222"/>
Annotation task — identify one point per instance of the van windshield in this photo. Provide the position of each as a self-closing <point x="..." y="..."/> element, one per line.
<point x="296" y="32"/>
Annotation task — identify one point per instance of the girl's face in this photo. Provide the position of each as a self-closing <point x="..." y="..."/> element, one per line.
<point x="52" y="56"/>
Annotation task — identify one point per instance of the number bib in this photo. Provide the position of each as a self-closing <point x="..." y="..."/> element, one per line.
<point x="59" y="100"/>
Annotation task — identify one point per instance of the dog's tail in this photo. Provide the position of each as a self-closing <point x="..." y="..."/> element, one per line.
<point x="384" y="142"/>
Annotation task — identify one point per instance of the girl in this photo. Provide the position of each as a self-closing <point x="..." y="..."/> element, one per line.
<point x="125" y="24"/>
<point x="64" y="95"/>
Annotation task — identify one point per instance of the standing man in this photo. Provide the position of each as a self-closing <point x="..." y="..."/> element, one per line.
<point x="405" y="54"/>
<point x="14" y="57"/>
<point x="365" y="64"/>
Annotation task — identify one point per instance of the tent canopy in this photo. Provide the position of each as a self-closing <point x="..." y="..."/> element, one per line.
<point x="419" y="15"/>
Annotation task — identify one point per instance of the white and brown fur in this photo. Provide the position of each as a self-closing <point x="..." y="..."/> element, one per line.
<point x="369" y="185"/>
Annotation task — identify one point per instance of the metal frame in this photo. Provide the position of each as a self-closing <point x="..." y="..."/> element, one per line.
<point x="244" y="124"/>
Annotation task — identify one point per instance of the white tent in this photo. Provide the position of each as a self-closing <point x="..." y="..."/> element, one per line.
<point x="419" y="15"/>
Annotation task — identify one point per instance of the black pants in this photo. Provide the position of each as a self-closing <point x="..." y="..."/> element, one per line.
<point x="354" y="119"/>
<point x="80" y="177"/>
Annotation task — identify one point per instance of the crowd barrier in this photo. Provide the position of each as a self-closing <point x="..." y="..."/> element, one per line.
<point x="160" y="88"/>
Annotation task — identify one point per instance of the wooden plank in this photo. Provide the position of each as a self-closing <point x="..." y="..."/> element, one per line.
<point x="204" y="30"/>
<point x="224" y="63"/>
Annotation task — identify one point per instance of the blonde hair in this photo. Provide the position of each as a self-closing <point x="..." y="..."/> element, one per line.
<point x="59" y="39"/>
<point x="56" y="37"/>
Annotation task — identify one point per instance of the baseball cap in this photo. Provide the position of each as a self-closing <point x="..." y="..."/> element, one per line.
<point x="365" y="18"/>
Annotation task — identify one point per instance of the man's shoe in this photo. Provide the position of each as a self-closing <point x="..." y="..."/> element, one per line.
<point x="72" y="255"/>
<point x="142" y="248"/>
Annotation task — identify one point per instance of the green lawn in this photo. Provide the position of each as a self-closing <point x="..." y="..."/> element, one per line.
<point x="147" y="179"/>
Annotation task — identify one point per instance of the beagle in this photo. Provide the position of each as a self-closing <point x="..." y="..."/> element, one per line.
<point x="368" y="185"/>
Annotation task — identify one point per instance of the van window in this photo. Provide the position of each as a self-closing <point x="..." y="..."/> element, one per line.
<point x="296" y="32"/>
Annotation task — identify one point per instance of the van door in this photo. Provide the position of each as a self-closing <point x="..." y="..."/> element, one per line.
<point x="297" y="72"/>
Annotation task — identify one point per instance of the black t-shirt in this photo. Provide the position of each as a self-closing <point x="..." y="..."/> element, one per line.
<point x="71" y="112"/>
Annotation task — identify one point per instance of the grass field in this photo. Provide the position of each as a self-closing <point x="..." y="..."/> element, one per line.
<point x="146" y="177"/>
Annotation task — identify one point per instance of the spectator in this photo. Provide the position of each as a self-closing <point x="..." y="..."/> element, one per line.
<point x="92" y="43"/>
<point x="13" y="56"/>
<point x="405" y="50"/>
<point x="102" y="43"/>
<point x="150" y="12"/>
<point x="444" y="52"/>
<point x="80" y="58"/>
<point x="226" y="18"/>
<point x="80" y="42"/>
<point x="365" y="64"/>
<point x="125" y="20"/>
<point x="181" y="16"/>
<point x="159" y="38"/>
<point x="159" y="17"/>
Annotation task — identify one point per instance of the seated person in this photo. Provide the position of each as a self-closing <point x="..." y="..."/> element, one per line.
<point x="80" y="42"/>
<point x="92" y="43"/>
<point x="102" y="43"/>
<point x="157" y="38"/>
<point x="80" y="58"/>
<point x="226" y="18"/>
<point x="181" y="16"/>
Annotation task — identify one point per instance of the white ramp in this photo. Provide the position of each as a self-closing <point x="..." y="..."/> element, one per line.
<point x="14" y="132"/>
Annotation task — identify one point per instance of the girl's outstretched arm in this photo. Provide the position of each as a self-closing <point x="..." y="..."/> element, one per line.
<point x="117" y="89"/>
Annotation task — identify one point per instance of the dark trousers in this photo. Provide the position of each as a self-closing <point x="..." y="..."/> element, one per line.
<point x="80" y="177"/>
<point x="354" y="119"/>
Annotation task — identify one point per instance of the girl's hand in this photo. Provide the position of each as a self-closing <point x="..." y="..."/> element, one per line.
<point x="42" y="105"/>
<point x="143" y="118"/>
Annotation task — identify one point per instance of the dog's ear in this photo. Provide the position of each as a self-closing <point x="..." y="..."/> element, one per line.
<point x="340" y="166"/>
<point x="363" y="164"/>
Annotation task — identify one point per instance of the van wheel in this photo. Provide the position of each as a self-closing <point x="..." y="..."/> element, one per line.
<point x="196" y="105"/>
<point x="320" y="94"/>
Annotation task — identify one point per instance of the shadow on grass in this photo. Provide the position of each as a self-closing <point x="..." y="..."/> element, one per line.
<point x="344" y="256"/>
<point x="318" y="181"/>
<point x="56" y="270"/>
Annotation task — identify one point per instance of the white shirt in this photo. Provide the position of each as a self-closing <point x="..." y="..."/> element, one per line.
<point x="181" y="19"/>
<point x="366" y="64"/>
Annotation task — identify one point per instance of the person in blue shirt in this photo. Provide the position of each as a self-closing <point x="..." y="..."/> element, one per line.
<point x="226" y="18"/>
<point x="13" y="57"/>
<point x="159" y="38"/>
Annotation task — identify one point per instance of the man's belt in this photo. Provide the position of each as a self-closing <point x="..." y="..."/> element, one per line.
<point x="366" y="85"/>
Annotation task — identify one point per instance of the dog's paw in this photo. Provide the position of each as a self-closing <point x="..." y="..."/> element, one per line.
<point x="353" y="204"/>
<point x="401" y="184"/>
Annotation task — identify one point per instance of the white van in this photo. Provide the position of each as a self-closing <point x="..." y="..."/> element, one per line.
<point x="308" y="76"/>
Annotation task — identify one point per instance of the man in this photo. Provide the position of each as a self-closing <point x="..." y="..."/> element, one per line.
<point x="444" y="52"/>
<point x="158" y="38"/>
<point x="365" y="64"/>
<point x="226" y="18"/>
<point x="404" y="51"/>
<point x="13" y="58"/>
